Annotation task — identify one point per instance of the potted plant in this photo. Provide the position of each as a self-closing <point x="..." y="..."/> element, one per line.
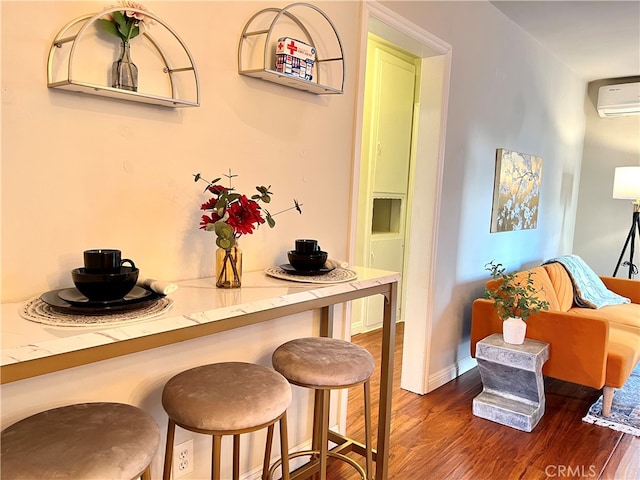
<point x="231" y="215"/>
<point x="515" y="297"/>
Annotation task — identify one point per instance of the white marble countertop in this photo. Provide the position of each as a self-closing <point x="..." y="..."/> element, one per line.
<point x="195" y="303"/>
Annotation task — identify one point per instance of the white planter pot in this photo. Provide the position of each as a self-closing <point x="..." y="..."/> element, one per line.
<point x="514" y="330"/>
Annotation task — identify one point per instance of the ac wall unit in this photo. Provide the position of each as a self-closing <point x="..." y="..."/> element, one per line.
<point x="619" y="100"/>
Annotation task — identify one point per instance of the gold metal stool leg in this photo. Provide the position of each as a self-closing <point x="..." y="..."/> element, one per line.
<point x="268" y="471"/>
<point x="284" y="446"/>
<point x="146" y="475"/>
<point x="320" y="455"/>
<point x="236" y="457"/>
<point x="367" y="429"/>
<point x="267" y="453"/>
<point x="168" y="452"/>
<point x="324" y="433"/>
<point x="317" y="420"/>
<point x="216" y="447"/>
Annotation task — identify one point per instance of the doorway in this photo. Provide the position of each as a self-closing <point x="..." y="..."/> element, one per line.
<point x="391" y="93"/>
<point x="423" y="185"/>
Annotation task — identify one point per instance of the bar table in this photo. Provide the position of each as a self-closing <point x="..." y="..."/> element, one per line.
<point x="200" y="309"/>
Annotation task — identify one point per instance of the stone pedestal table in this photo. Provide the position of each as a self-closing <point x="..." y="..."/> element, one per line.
<point x="513" y="386"/>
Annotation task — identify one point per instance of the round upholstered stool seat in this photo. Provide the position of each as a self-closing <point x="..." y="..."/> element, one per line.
<point x="324" y="364"/>
<point x="321" y="362"/>
<point x="99" y="441"/>
<point x="226" y="398"/>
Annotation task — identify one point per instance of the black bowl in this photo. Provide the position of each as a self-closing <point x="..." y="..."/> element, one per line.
<point x="307" y="261"/>
<point x="105" y="286"/>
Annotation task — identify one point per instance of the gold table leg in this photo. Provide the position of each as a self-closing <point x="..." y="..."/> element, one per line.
<point x="386" y="375"/>
<point x="386" y="382"/>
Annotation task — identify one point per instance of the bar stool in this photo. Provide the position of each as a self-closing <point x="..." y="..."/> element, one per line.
<point x="97" y="441"/>
<point x="228" y="398"/>
<point x="325" y="364"/>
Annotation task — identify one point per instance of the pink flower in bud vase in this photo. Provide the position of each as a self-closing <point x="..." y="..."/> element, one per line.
<point x="140" y="17"/>
<point x="126" y="23"/>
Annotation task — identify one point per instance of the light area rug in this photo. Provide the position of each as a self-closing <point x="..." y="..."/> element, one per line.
<point x="625" y="410"/>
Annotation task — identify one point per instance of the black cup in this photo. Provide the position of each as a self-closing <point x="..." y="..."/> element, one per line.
<point x="104" y="260"/>
<point x="307" y="246"/>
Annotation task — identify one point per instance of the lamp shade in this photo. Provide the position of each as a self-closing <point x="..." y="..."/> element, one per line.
<point x="626" y="183"/>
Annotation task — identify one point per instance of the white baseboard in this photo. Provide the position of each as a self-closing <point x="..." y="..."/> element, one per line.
<point x="357" y="327"/>
<point x="450" y="373"/>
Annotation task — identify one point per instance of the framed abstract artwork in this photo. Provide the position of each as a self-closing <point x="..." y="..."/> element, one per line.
<point x="516" y="191"/>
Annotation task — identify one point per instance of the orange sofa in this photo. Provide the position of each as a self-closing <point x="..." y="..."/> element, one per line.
<point x="597" y="348"/>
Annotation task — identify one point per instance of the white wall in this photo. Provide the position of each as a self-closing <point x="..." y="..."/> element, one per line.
<point x="505" y="91"/>
<point x="84" y="172"/>
<point x="81" y="172"/>
<point x="602" y="223"/>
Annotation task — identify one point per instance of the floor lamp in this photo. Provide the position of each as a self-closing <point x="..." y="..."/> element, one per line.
<point x="626" y="185"/>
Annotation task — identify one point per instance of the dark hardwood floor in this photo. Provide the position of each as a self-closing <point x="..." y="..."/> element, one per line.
<point x="436" y="436"/>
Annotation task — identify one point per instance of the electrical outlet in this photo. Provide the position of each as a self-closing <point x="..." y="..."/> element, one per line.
<point x="183" y="459"/>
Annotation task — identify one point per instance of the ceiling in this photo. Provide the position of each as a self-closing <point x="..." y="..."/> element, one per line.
<point x="596" y="39"/>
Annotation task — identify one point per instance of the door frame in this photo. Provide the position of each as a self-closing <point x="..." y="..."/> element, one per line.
<point x="362" y="309"/>
<point x="423" y="204"/>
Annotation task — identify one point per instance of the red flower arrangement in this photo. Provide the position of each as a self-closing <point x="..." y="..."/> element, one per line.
<point x="234" y="214"/>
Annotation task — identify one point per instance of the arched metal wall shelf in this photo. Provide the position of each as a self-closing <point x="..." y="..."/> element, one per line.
<point x="70" y="83"/>
<point x="269" y="74"/>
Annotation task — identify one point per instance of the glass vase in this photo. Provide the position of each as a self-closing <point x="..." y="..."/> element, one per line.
<point x="229" y="267"/>
<point x="124" y="73"/>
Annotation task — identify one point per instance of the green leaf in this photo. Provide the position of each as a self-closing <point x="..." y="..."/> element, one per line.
<point x="127" y="27"/>
<point x="123" y="31"/>
<point x="220" y="204"/>
<point x="118" y="16"/>
<point x="223" y="230"/>
<point x="135" y="30"/>
<point x="269" y="218"/>
<point x="108" y="26"/>
<point x="127" y="31"/>
<point x="225" y="243"/>
<point x="264" y="194"/>
<point x="511" y="297"/>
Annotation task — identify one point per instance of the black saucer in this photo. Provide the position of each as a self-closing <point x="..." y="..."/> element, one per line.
<point x="71" y="300"/>
<point x="306" y="273"/>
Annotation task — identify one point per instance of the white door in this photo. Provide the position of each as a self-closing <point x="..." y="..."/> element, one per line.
<point x="391" y="77"/>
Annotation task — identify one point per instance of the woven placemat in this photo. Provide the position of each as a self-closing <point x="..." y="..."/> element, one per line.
<point x="337" y="275"/>
<point x="39" y="311"/>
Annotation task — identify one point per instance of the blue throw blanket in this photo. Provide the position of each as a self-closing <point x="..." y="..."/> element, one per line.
<point x="588" y="289"/>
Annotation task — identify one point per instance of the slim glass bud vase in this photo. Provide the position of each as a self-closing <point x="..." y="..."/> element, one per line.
<point x="229" y="267"/>
<point x="124" y="73"/>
